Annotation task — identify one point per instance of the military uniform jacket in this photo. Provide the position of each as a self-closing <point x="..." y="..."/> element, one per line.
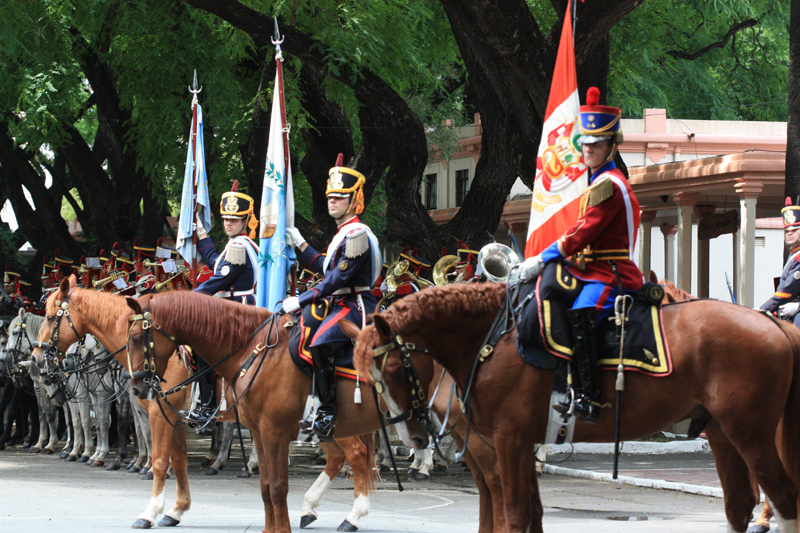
<point x="350" y="268"/>
<point x="234" y="275"/>
<point x="789" y="286"/>
<point x="606" y="228"/>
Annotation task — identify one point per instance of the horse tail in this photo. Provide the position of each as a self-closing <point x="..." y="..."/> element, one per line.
<point x="369" y="441"/>
<point x="789" y="429"/>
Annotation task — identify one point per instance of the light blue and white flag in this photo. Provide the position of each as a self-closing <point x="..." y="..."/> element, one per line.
<point x="197" y="157"/>
<point x="276" y="258"/>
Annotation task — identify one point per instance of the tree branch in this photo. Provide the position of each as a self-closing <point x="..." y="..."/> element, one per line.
<point x="678" y="54"/>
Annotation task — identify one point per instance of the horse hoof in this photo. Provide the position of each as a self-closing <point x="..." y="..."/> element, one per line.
<point x="758" y="529"/>
<point x="412" y="471"/>
<point x="141" y="523"/>
<point x="306" y="519"/>
<point x="34" y="450"/>
<point x="71" y="459"/>
<point x="205" y="462"/>
<point x="90" y="462"/>
<point x="63" y="455"/>
<point x="98" y="463"/>
<point x="422" y="477"/>
<point x="113" y="466"/>
<point x="148" y="476"/>
<point x="211" y="472"/>
<point x="143" y="470"/>
<point x="168" y="521"/>
<point x="48" y="451"/>
<point x="244" y="473"/>
<point x="83" y="459"/>
<point x="383" y="469"/>
<point x="255" y="471"/>
<point x="347" y="526"/>
<point x="2" y="447"/>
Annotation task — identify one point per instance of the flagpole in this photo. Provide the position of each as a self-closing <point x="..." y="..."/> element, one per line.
<point x="195" y="91"/>
<point x="277" y="40"/>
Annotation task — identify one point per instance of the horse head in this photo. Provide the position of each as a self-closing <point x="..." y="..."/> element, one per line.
<point x="400" y="372"/>
<point x="148" y="354"/>
<point x="58" y="332"/>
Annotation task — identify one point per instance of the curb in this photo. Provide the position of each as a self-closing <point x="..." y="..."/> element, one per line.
<point x="635" y="481"/>
<point x="632" y="447"/>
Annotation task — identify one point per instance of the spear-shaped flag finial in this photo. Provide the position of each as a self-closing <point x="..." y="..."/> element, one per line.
<point x="195" y="89"/>
<point x="277" y="39"/>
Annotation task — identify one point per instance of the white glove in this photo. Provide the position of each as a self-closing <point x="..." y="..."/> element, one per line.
<point x="293" y="237"/>
<point x="531" y="268"/>
<point x="201" y="232"/>
<point x="790" y="309"/>
<point x="291" y="304"/>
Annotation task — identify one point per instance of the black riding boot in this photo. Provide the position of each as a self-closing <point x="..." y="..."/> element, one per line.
<point x="587" y="390"/>
<point x="207" y="404"/>
<point x="325" y="379"/>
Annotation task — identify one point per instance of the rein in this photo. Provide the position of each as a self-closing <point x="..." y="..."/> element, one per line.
<point x="153" y="380"/>
<point x="504" y="322"/>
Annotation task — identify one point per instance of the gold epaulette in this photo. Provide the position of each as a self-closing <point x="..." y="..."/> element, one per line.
<point x="600" y="191"/>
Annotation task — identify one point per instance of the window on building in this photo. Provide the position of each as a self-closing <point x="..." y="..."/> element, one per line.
<point x="430" y="191"/>
<point x="462" y="186"/>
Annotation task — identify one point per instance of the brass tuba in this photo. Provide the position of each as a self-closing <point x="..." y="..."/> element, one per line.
<point x="395" y="272"/>
<point x="497" y="262"/>
<point x="444" y="267"/>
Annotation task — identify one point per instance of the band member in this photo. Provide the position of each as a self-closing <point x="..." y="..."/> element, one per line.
<point x="234" y="275"/>
<point x="350" y="268"/>
<point x="604" y="235"/>
<point x="785" y="300"/>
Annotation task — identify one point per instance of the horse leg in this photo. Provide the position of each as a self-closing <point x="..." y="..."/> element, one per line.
<point x="161" y="441"/>
<point x="334" y="461"/>
<point x="213" y="453"/>
<point x="360" y="453"/>
<point x="224" y="450"/>
<point x="146" y="445"/>
<point x="40" y="399"/>
<point x="541" y="458"/>
<point x="88" y="439"/>
<point x="252" y="463"/>
<point x="103" y="412"/>
<point x="52" y="423"/>
<point x="123" y="427"/>
<point x="275" y="477"/>
<point x="515" y="463"/>
<point x="761" y="525"/>
<point x="180" y="465"/>
<point x="70" y="433"/>
<point x="423" y="472"/>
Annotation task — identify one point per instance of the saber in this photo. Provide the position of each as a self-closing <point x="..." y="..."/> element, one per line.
<point x="730" y="288"/>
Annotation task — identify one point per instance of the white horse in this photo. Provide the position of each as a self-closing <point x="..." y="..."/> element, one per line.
<point x="22" y="332"/>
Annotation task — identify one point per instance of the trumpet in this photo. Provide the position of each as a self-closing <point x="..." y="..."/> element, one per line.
<point x="396" y="271"/>
<point x="117" y="274"/>
<point x="166" y="284"/>
<point x="150" y="264"/>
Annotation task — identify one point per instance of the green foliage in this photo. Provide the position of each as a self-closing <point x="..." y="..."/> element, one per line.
<point x="746" y="79"/>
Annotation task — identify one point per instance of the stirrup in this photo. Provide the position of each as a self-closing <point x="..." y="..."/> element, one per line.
<point x="586" y="410"/>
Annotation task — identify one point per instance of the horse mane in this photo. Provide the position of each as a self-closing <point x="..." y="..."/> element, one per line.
<point x="672" y="293"/>
<point x="32" y="322"/>
<point x="229" y="322"/>
<point x="107" y="308"/>
<point x="430" y="305"/>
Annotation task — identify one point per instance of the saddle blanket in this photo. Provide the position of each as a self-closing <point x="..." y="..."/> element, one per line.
<point x="543" y="333"/>
<point x="343" y="359"/>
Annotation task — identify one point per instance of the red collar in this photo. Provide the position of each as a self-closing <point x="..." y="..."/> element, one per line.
<point x="351" y="221"/>
<point x="795" y="249"/>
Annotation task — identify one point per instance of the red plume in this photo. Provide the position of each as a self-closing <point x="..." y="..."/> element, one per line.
<point x="56" y="253"/>
<point x="339" y="160"/>
<point x="444" y="251"/>
<point x="593" y="96"/>
<point x="414" y="252"/>
<point x="788" y="201"/>
<point x="460" y="243"/>
<point x="160" y="241"/>
<point x="235" y="186"/>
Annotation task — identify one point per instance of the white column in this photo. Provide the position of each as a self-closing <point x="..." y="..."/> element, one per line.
<point x="645" y="229"/>
<point x="748" y="197"/>
<point x="685" y="203"/>
<point x="669" y="231"/>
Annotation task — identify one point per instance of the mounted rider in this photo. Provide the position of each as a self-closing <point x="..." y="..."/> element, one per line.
<point x="350" y="268"/>
<point x="234" y="275"/>
<point x="601" y="239"/>
<point x="786" y="300"/>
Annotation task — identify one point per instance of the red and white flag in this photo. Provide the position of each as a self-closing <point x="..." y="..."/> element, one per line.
<point x="560" y="170"/>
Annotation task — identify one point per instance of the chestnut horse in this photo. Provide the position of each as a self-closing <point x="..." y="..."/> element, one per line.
<point x="739" y="366"/>
<point x="272" y="391"/>
<point x="105" y="316"/>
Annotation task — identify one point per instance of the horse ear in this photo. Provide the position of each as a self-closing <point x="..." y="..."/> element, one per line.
<point x="64" y="286"/>
<point x="653" y="277"/>
<point x="382" y="325"/>
<point x="350" y="329"/>
<point x="73" y="281"/>
<point x="21" y="313"/>
<point x="133" y="304"/>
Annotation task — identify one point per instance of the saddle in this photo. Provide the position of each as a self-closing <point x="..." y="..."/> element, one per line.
<point x="343" y="358"/>
<point x="543" y="336"/>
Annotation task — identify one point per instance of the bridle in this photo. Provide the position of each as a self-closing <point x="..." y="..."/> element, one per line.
<point x="419" y="410"/>
<point x="148" y="373"/>
<point x="14" y="355"/>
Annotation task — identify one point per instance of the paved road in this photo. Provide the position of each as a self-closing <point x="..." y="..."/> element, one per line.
<point x="44" y="494"/>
